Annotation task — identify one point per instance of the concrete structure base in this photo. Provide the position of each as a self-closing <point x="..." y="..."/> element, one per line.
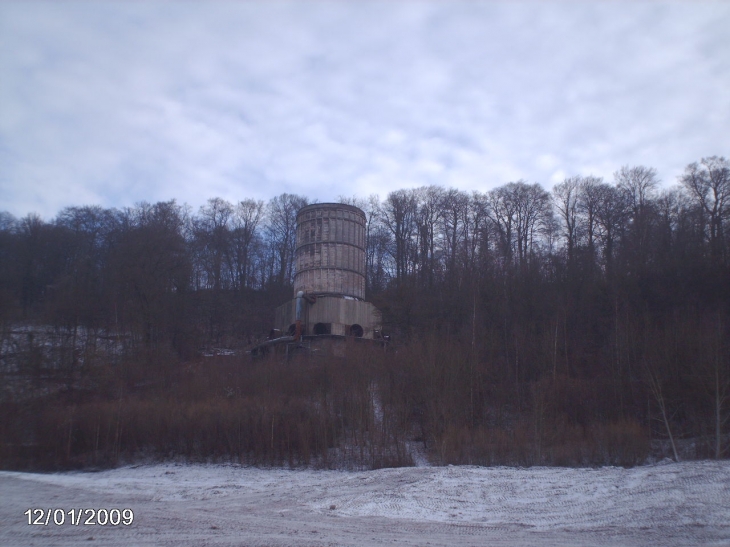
<point x="335" y="315"/>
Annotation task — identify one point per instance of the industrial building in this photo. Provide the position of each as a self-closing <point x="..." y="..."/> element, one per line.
<point x="328" y="305"/>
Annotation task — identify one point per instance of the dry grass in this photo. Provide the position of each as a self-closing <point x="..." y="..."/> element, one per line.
<point x="357" y="411"/>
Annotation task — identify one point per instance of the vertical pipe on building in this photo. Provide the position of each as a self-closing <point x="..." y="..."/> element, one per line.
<point x="300" y="312"/>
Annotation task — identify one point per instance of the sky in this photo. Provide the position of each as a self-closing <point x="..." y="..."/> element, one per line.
<point x="113" y="103"/>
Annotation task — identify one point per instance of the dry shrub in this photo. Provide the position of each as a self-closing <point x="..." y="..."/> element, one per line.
<point x="486" y="446"/>
<point x="307" y="412"/>
<point x="358" y="411"/>
<point x="624" y="443"/>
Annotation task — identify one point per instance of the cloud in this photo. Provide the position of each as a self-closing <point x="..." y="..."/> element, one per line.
<point x="114" y="103"/>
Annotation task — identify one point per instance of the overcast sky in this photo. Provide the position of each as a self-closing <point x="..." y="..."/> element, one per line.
<point x="113" y="103"/>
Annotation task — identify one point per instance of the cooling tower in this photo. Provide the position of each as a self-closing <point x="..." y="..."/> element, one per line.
<point x="329" y="305"/>
<point x="330" y="250"/>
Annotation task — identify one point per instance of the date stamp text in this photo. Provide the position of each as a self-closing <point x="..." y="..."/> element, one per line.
<point x="80" y="517"/>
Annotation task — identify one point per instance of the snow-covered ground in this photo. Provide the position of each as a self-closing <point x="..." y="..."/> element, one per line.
<point x="668" y="504"/>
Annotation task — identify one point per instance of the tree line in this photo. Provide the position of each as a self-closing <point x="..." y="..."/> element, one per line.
<point x="155" y="271"/>
<point x="529" y="325"/>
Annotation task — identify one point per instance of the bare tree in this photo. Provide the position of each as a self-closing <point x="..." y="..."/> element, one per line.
<point x="455" y="210"/>
<point x="478" y="237"/>
<point x="376" y="240"/>
<point x="212" y="232"/>
<point x="281" y="215"/>
<point x="92" y="231"/>
<point x="709" y="185"/>
<point x="427" y="218"/>
<point x="8" y="267"/>
<point x="501" y="210"/>
<point x="589" y="199"/>
<point x="398" y="214"/>
<point x="566" y="198"/>
<point x="611" y="211"/>
<point x="520" y="212"/>
<point x="655" y="387"/>
<point x="245" y="226"/>
<point x="152" y="267"/>
<point x="638" y="185"/>
<point x="714" y="374"/>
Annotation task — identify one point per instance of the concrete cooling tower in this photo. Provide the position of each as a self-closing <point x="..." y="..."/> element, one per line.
<point x="329" y="282"/>
<point x="330" y="253"/>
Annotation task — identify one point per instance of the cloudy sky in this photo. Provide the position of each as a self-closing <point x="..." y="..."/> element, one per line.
<point x="113" y="103"/>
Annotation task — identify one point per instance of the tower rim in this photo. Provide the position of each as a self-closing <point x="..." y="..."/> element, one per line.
<point x="345" y="206"/>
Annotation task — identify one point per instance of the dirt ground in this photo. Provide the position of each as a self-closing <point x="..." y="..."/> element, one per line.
<point x="683" y="504"/>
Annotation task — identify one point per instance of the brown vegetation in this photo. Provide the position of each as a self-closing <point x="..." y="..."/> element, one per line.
<point x="369" y="409"/>
<point x="577" y="327"/>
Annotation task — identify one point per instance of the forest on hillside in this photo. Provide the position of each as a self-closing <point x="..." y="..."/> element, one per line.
<point x="585" y="325"/>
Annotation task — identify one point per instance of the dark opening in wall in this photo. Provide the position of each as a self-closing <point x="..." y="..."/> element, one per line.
<point x="323" y="328"/>
<point x="356" y="330"/>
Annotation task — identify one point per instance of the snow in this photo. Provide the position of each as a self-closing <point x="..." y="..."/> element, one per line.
<point x="665" y="504"/>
